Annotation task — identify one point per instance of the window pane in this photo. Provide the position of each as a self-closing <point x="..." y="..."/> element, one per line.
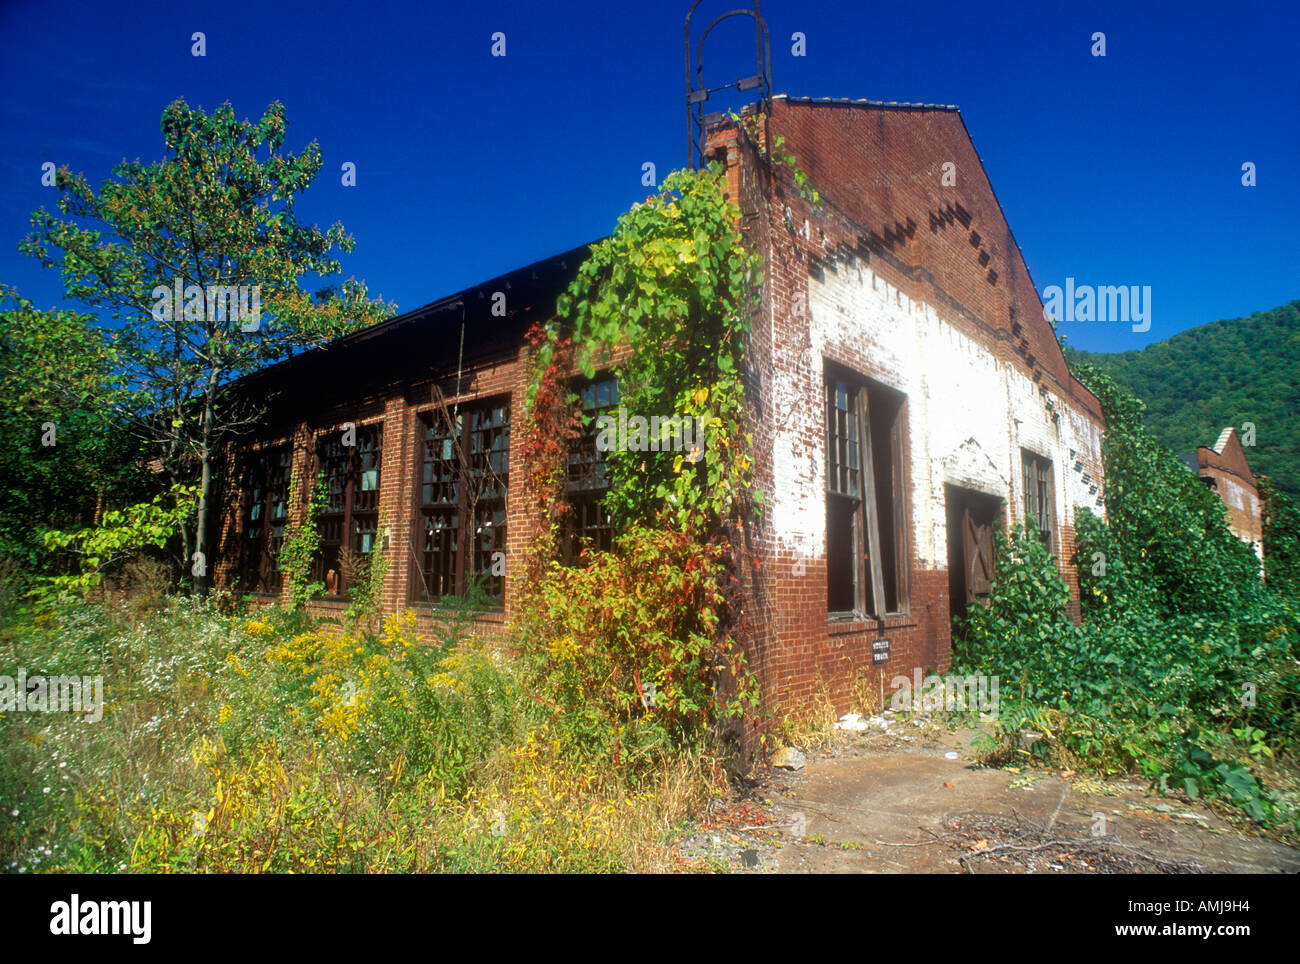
<point x="474" y="485"/>
<point x="589" y="525"/>
<point x="266" y="479"/>
<point x="864" y="514"/>
<point x="840" y="563"/>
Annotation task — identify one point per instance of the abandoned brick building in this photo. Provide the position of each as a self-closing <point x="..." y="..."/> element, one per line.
<point x="907" y="395"/>
<point x="1225" y="470"/>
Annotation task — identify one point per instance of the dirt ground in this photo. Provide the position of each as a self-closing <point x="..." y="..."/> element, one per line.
<point x="908" y="797"/>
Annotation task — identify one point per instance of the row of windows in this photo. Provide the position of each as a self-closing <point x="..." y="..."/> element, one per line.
<point x="461" y="526"/>
<point x="464" y="477"/>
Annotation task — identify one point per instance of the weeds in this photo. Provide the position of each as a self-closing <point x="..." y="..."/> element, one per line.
<point x="268" y="743"/>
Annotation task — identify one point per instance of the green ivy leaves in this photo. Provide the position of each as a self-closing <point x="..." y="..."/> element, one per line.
<point x="674" y="285"/>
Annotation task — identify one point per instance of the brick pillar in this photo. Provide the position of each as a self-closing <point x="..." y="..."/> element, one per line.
<point x="397" y="501"/>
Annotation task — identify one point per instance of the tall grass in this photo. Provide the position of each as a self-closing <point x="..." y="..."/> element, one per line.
<point x="236" y="741"/>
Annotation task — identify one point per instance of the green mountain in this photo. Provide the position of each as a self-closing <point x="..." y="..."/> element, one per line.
<point x="1204" y="379"/>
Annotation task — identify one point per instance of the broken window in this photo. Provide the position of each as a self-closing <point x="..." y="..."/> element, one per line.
<point x="464" y="475"/>
<point x="1039" y="497"/>
<point x="348" y="521"/>
<point x="866" y="572"/>
<point x="588" y="525"/>
<point x="266" y="484"/>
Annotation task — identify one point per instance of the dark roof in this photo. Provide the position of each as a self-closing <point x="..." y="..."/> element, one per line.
<point x="540" y="280"/>
<point x="425" y="342"/>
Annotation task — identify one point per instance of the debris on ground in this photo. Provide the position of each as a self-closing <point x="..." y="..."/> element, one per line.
<point x="788" y="758"/>
<point x="1018" y="844"/>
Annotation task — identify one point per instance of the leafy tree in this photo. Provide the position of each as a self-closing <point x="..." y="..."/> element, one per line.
<point x="122" y="533"/>
<point x="215" y="216"/>
<point x="63" y="450"/>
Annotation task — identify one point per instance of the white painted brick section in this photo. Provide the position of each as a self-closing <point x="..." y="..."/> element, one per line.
<point x="968" y="414"/>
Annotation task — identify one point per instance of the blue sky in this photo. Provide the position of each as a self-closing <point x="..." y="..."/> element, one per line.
<point x="1117" y="170"/>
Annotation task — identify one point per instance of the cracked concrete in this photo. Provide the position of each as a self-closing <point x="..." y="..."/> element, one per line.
<point x="892" y="802"/>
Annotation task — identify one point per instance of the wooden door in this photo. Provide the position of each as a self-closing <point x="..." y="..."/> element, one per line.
<point x="977" y="553"/>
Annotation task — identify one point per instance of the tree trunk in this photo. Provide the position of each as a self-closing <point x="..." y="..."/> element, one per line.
<point x="201" y="575"/>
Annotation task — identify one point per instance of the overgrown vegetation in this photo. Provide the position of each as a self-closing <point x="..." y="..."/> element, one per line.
<point x="121" y="535"/>
<point x="251" y="742"/>
<point x="1281" y="540"/>
<point x="635" y="646"/>
<point x="1184" y="666"/>
<point x="633" y="651"/>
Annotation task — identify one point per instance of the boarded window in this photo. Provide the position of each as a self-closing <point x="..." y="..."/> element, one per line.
<point x="588" y="525"/>
<point x="464" y="472"/>
<point x="865" y="543"/>
<point x="1039" y="495"/>
<point x="266" y="513"/>
<point x="350" y="517"/>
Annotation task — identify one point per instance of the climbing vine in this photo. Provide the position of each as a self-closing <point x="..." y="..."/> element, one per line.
<point x="367" y="592"/>
<point x="302" y="541"/>
<point x="675" y="288"/>
<point x="550" y="425"/>
<point x="752" y="126"/>
<point x="635" y="646"/>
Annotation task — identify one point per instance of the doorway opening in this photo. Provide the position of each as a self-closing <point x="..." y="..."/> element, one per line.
<point x="972" y="518"/>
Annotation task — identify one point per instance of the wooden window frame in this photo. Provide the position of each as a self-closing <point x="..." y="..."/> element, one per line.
<point x="355" y="505"/>
<point x="1038" y="494"/>
<point x="268" y="470"/>
<point x="588" y="523"/>
<point x="854" y="448"/>
<point x="468" y="467"/>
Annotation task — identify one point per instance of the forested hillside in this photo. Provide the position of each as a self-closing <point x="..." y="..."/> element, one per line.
<point x="1223" y="373"/>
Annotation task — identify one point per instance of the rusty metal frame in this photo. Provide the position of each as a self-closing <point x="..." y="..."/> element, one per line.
<point x="697" y="93"/>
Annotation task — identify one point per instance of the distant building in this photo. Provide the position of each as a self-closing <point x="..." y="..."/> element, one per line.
<point x="1224" y="469"/>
